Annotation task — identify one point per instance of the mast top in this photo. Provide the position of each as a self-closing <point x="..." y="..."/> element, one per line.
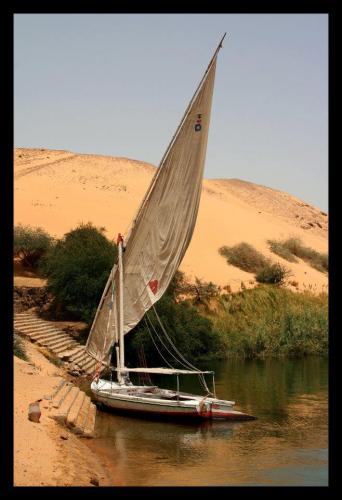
<point x="220" y="44"/>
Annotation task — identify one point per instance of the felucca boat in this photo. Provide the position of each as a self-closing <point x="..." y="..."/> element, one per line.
<point x="148" y="258"/>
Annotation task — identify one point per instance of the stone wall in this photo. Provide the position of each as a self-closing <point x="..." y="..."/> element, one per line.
<point x="25" y="298"/>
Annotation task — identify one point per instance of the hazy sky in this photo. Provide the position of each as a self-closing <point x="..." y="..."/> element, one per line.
<point x="118" y="85"/>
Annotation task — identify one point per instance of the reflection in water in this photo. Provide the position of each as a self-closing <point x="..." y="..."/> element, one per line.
<point x="286" y="445"/>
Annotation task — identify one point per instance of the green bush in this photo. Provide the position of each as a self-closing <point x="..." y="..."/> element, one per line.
<point x="294" y="247"/>
<point x="273" y="274"/>
<point x="30" y="244"/>
<point x="244" y="256"/>
<point x="191" y="333"/>
<point x="18" y="348"/>
<point x="77" y="269"/>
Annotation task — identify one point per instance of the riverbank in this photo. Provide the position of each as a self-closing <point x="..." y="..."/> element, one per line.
<point x="47" y="453"/>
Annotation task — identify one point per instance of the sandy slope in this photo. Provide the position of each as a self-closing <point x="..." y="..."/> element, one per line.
<point x="41" y="457"/>
<point x="59" y="189"/>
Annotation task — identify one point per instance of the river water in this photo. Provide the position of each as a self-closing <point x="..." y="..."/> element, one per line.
<point x="286" y="445"/>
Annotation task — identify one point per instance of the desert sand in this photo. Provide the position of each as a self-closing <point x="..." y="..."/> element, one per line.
<point x="57" y="190"/>
<point x="41" y="456"/>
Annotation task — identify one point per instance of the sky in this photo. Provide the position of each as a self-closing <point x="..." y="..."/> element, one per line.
<point x="118" y="85"/>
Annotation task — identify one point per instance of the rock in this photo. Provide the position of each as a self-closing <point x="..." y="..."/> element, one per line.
<point x="94" y="481"/>
<point x="34" y="412"/>
<point x="64" y="436"/>
<point x="75" y="373"/>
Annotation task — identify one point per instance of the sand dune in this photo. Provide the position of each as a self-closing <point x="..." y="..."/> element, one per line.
<point x="59" y="189"/>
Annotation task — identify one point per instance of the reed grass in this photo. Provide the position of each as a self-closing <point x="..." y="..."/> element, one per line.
<point x="271" y="321"/>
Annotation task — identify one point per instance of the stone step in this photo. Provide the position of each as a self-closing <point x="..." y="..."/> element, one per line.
<point x="83" y="361"/>
<point x="75" y="409"/>
<point x="25" y="315"/>
<point x="62" y="412"/>
<point x="57" y="390"/>
<point x="82" y="416"/>
<point x="69" y="352"/>
<point x="61" y="395"/>
<point x="89" y="428"/>
<point x="78" y="356"/>
<point x="49" y="336"/>
<point x="55" y="341"/>
<point x="36" y="328"/>
<point x="89" y="363"/>
<point x="26" y="320"/>
<point x="61" y="347"/>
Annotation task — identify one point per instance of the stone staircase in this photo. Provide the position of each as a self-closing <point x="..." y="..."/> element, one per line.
<point x="60" y="343"/>
<point x="72" y="407"/>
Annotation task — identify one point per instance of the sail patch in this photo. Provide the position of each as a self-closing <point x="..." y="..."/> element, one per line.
<point x="153" y="284"/>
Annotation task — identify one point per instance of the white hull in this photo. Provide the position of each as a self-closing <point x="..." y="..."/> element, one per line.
<point x="162" y="402"/>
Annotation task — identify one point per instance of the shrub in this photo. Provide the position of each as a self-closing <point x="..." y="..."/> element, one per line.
<point x="294" y="247"/>
<point x="30" y="244"/>
<point x="282" y="250"/>
<point x="18" y="348"/>
<point x="274" y="274"/>
<point x="244" y="256"/>
<point x="77" y="269"/>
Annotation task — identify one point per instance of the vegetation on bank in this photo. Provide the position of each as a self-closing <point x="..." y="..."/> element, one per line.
<point x="264" y="321"/>
<point x="200" y="320"/>
<point x="30" y="245"/>
<point x="272" y="321"/>
<point x="77" y="269"/>
<point x="184" y="328"/>
<point x="246" y="257"/>
<point x="293" y="247"/>
<point x="18" y="348"/>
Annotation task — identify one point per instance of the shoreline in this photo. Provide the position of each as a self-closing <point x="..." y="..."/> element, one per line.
<point x="48" y="453"/>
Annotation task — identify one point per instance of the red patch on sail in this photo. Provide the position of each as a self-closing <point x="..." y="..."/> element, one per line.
<point x="153" y="284"/>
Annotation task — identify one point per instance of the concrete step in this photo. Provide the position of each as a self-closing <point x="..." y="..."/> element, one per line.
<point x="59" y="397"/>
<point x="62" y="412"/>
<point x="75" y="409"/>
<point x="89" y="428"/>
<point x="82" y="416"/>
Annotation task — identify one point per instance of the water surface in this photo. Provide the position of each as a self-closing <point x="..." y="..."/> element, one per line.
<point x="286" y="445"/>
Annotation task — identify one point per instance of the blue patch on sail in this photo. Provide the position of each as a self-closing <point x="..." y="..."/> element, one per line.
<point x="110" y="305"/>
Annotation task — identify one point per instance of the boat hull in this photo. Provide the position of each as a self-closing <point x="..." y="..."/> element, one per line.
<point x="133" y="400"/>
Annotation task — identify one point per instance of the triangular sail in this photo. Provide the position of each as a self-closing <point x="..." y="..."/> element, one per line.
<point x="162" y="229"/>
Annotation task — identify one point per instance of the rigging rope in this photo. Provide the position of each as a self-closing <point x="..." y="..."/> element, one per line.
<point x="182" y="360"/>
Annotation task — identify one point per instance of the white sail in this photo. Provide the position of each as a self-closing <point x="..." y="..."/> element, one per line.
<point x="162" y="229"/>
